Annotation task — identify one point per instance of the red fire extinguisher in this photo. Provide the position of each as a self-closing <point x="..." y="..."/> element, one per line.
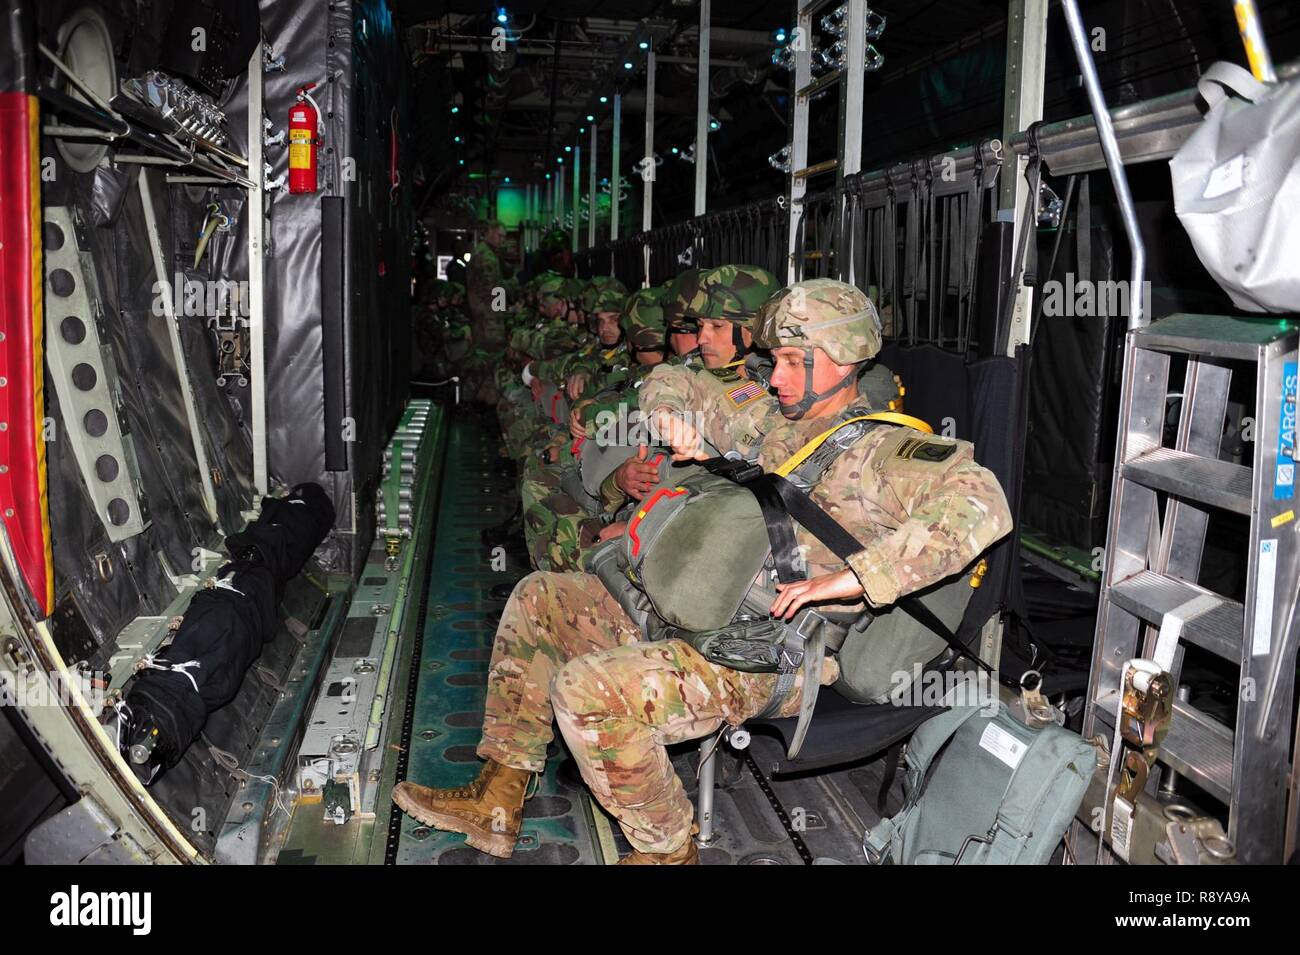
<point x="304" y="121"/>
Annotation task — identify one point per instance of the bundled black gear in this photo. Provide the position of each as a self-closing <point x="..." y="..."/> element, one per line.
<point x="222" y="633"/>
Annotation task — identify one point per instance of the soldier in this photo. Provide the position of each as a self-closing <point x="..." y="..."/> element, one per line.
<point x="724" y="301"/>
<point x="602" y="304"/>
<point x="484" y="278"/>
<point x="557" y="524"/>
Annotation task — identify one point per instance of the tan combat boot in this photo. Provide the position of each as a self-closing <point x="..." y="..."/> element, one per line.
<point x="489" y="811"/>
<point x="686" y="854"/>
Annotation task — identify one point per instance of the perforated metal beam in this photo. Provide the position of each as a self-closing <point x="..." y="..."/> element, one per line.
<point x="83" y="375"/>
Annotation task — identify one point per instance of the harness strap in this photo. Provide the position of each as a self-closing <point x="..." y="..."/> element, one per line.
<point x="890" y="417"/>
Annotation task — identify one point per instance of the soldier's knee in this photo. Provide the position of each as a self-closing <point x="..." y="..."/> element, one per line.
<point x="582" y="690"/>
<point x="600" y="685"/>
<point x="535" y="586"/>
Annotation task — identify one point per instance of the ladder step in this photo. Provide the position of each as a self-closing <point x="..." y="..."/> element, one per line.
<point x="822" y="82"/>
<point x="1197" y="746"/>
<point x="1200" y="748"/>
<point x="1150" y="595"/>
<point x="816" y="170"/>
<point x="1194" y="478"/>
<point x="1215" y="336"/>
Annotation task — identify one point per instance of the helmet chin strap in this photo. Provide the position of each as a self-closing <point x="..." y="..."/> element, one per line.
<point x="738" y="339"/>
<point x="804" y="405"/>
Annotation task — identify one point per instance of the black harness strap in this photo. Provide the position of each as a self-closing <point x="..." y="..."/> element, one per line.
<point x="782" y="502"/>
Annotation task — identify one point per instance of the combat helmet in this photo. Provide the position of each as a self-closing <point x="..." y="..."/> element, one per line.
<point x="643" y="319"/>
<point x="557" y="240"/>
<point x="834" y="316"/>
<point x="551" y="287"/>
<point x="604" y="293"/>
<point x="678" y="291"/>
<point x="731" y="293"/>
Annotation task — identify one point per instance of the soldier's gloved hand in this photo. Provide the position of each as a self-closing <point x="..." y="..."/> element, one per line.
<point x="842" y="586"/>
<point x="610" y="531"/>
<point x="576" y="428"/>
<point x="636" y="476"/>
<point x="576" y="385"/>
<point x="680" y="435"/>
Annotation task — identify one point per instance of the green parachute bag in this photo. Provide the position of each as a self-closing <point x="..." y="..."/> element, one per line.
<point x="695" y="548"/>
<point x="984" y="788"/>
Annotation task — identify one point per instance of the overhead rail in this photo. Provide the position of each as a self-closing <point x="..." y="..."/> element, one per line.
<point x="1151" y="130"/>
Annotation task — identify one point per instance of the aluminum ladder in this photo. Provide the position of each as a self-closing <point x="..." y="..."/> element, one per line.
<point x="850" y="79"/>
<point x="1150" y="594"/>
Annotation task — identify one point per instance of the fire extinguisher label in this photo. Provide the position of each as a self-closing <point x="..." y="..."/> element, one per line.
<point x="299" y="149"/>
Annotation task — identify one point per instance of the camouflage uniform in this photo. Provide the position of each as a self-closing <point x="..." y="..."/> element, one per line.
<point x="565" y="650"/>
<point x="559" y="525"/>
<point x="483" y="279"/>
<point x="524" y="425"/>
<point x="731" y="293"/>
<point x="922" y="508"/>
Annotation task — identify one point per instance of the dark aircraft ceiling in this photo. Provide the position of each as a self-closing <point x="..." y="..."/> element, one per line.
<point x="941" y="82"/>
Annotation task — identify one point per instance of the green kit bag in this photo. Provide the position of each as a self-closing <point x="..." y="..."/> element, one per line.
<point x="999" y="793"/>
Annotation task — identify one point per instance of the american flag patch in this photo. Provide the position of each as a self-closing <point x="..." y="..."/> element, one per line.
<point x="743" y="394"/>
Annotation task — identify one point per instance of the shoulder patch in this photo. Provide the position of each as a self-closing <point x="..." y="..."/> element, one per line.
<point x="743" y="394"/>
<point x="921" y="449"/>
